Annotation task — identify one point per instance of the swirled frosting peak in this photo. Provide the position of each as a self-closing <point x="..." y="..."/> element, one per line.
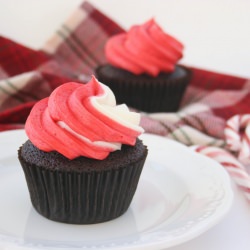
<point x="144" y="48"/>
<point x="82" y="120"/>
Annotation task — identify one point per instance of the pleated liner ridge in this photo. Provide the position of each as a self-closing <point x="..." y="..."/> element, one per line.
<point x="82" y="198"/>
<point x="150" y="97"/>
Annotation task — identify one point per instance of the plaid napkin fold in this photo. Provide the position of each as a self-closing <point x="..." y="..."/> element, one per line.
<point x="213" y="117"/>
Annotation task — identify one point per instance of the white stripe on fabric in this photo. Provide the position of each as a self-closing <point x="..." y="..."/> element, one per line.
<point x="19" y="82"/>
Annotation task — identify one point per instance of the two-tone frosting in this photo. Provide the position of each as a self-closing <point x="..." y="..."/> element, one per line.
<point x="144" y="48"/>
<point x="82" y="120"/>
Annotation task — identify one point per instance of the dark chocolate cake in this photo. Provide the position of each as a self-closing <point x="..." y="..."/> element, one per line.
<point x="144" y="92"/>
<point x="83" y="190"/>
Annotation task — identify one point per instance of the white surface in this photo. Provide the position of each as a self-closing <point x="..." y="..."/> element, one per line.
<point x="176" y="200"/>
<point x="215" y="33"/>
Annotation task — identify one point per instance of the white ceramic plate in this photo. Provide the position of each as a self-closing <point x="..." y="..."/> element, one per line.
<point x="181" y="194"/>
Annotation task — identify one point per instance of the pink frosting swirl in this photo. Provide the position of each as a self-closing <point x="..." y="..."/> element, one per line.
<point x="82" y="120"/>
<point x="144" y="49"/>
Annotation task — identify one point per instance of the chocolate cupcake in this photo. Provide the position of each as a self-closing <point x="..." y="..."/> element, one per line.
<point x="76" y="175"/>
<point x="142" y="69"/>
<point x="144" y="92"/>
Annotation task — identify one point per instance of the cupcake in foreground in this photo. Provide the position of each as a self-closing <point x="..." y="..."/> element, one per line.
<point x="142" y="68"/>
<point x="83" y="159"/>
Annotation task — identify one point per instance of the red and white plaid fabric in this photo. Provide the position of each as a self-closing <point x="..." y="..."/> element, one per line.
<point x="211" y="110"/>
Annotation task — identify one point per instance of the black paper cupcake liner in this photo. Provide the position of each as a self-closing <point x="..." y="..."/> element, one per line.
<point x="150" y="94"/>
<point x="82" y="198"/>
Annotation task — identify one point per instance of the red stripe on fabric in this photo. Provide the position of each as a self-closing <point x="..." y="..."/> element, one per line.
<point x="240" y="108"/>
<point x="108" y="25"/>
<point x="215" y="80"/>
<point x="16" y="58"/>
<point x="17" y="114"/>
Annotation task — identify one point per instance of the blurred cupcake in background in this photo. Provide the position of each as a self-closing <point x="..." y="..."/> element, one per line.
<point x="142" y="68"/>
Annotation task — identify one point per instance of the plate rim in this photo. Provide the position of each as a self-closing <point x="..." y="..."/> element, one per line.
<point x="159" y="244"/>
